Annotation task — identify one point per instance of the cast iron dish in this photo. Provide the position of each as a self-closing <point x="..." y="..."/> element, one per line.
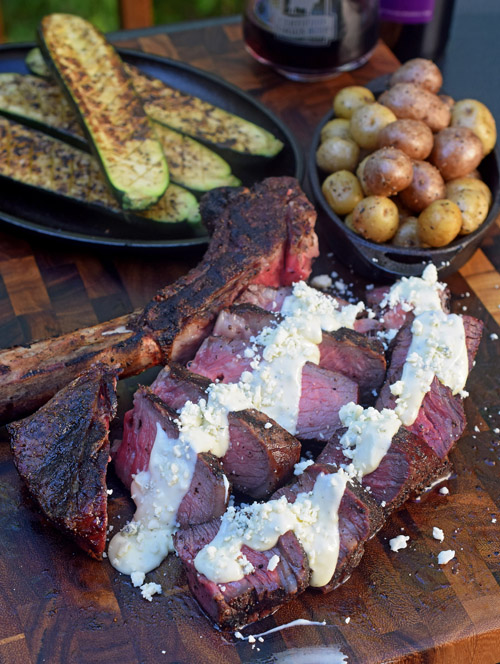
<point x="387" y="261"/>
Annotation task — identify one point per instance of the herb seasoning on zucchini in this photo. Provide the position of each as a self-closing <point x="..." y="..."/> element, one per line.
<point x="118" y="129"/>
<point x="33" y="158"/>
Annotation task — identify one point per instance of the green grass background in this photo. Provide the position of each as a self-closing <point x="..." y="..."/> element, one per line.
<point x="22" y="16"/>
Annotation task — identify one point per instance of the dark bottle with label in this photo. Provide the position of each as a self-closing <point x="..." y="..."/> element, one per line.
<point x="311" y="39"/>
<point x="416" y="28"/>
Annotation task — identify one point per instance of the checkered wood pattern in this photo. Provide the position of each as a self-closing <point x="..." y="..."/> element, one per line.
<point x="58" y="606"/>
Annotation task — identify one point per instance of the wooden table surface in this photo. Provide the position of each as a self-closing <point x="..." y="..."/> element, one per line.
<point x="60" y="607"/>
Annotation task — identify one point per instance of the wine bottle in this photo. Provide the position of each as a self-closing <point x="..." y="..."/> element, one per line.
<point x="416" y="28"/>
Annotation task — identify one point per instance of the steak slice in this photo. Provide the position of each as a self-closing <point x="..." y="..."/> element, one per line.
<point x="263" y="235"/>
<point x="441" y="418"/>
<point x="345" y="351"/>
<point x="62" y="453"/>
<point x="208" y="493"/>
<point x="323" y="392"/>
<point x="359" y="519"/>
<point x="408" y="467"/>
<point x="235" y="604"/>
<point x="259" y="457"/>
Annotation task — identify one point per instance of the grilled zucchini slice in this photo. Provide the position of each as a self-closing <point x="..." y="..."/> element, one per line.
<point x="202" y="120"/>
<point x="41" y="103"/>
<point x="191" y="115"/>
<point x="36" y="64"/>
<point x="33" y="158"/>
<point x="112" y="116"/>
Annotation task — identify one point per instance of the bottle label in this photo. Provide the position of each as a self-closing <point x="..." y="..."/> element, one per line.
<point x="310" y="22"/>
<point x="407" y="11"/>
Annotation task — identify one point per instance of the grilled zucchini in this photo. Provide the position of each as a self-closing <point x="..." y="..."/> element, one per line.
<point x="41" y="103"/>
<point x="33" y="158"/>
<point x="112" y="116"/>
<point x="36" y="64"/>
<point x="189" y="114"/>
<point x="202" y="120"/>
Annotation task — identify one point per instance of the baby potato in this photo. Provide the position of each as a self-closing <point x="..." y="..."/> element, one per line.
<point x="446" y="99"/>
<point x="426" y="186"/>
<point x="439" y="223"/>
<point x="375" y="218"/>
<point x="453" y="186"/>
<point x="456" y="152"/>
<point x="407" y="233"/>
<point x="474" y="208"/>
<point x="367" y="122"/>
<point x="349" y="224"/>
<point x="421" y="72"/>
<point x="360" y="173"/>
<point x="342" y="191"/>
<point x="413" y="137"/>
<point x="476" y="116"/>
<point x="350" y="98"/>
<point x="407" y="100"/>
<point x="336" y="127"/>
<point x="337" y="154"/>
<point x="387" y="171"/>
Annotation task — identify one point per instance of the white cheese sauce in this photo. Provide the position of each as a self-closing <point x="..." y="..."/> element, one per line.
<point x="416" y="293"/>
<point x="313" y="517"/>
<point x="437" y="349"/>
<point x="368" y="437"/>
<point x="273" y="387"/>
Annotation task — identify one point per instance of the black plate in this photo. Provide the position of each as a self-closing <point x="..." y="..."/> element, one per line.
<point x="385" y="261"/>
<point x="53" y="216"/>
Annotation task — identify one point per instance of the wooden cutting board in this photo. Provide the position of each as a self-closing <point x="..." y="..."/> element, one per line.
<point x="60" y="607"/>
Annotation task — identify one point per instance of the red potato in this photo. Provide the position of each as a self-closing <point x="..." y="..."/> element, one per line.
<point x="407" y="100"/>
<point x="457" y="151"/>
<point x="421" y="72"/>
<point x="413" y="137"/>
<point x="427" y="186"/>
<point x="387" y="171"/>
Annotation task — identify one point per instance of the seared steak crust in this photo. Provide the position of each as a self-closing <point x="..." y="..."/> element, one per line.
<point x="62" y="453"/>
<point x="408" y="467"/>
<point x="235" y="604"/>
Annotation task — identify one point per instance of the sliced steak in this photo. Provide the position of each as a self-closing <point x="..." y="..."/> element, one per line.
<point x="356" y="356"/>
<point x="259" y="459"/>
<point x="359" y="519"/>
<point x="441" y="418"/>
<point x="233" y="605"/>
<point x="62" y="453"/>
<point x="261" y="454"/>
<point x="323" y="395"/>
<point x="323" y="392"/>
<point x="208" y="492"/>
<point x="265" y="297"/>
<point x="263" y="235"/>
<point x="408" y="467"/>
<point x="345" y="351"/>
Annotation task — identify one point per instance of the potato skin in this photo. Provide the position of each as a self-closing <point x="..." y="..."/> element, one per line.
<point x="453" y="186"/>
<point x="446" y="99"/>
<point x="476" y="116"/>
<point x="375" y="218"/>
<point x="347" y="100"/>
<point x="457" y="151"/>
<point x="413" y="137"/>
<point x="421" y="72"/>
<point x="407" y="100"/>
<point x="439" y="223"/>
<point x="407" y="234"/>
<point x="474" y="208"/>
<point x="337" y="154"/>
<point x="360" y="173"/>
<point x="426" y="186"/>
<point x="342" y="191"/>
<point x="367" y="122"/>
<point x="387" y="171"/>
<point x="336" y="127"/>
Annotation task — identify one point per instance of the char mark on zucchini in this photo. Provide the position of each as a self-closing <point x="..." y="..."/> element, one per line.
<point x="111" y="114"/>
